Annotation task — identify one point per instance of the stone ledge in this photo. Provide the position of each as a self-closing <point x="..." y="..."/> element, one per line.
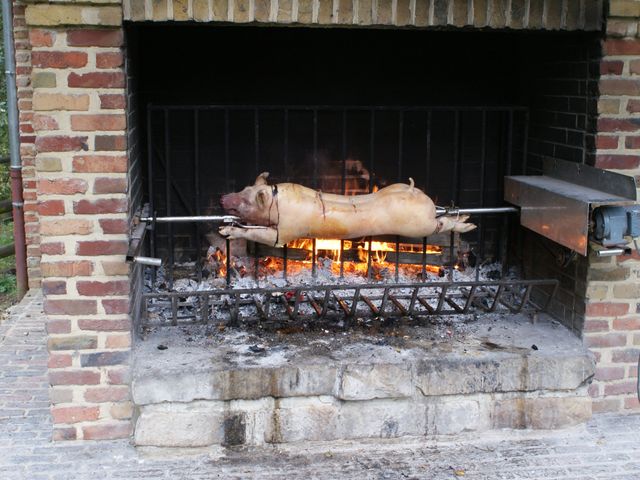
<point x="492" y="356"/>
<point x="269" y="420"/>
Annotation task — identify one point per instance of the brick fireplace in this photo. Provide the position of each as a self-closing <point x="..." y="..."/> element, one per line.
<point x="82" y="150"/>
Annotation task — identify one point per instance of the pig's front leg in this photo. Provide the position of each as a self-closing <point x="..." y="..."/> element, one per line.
<point x="267" y="236"/>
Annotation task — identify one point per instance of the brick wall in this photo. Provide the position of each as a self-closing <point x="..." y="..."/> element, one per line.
<point x="612" y="323"/>
<point x="27" y="139"/>
<point x="534" y="14"/>
<point x="81" y="164"/>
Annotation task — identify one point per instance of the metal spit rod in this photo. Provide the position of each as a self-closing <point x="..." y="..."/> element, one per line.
<point x="234" y="219"/>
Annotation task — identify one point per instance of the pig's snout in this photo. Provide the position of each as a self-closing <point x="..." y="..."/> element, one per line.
<point x="230" y="202"/>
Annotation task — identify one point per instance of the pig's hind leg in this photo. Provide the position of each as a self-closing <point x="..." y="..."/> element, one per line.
<point x="266" y="236"/>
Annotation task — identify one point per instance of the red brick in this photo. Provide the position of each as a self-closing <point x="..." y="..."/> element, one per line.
<point x="74" y="414"/>
<point x="109" y="431"/>
<point x="45" y="122"/>
<point x="110" y="185"/>
<point x="74" y="377"/>
<point x="106" y="394"/>
<point x="596" y="325"/>
<point x="111" y="143"/>
<point x="116" y="306"/>
<point x="58" y="326"/>
<point x="119" y="376"/>
<point x="51" y="207"/>
<point x="618" y="124"/>
<point x="118" y="341"/>
<point x="609" y="373"/>
<point x="99" y="164"/>
<point x="631" y="403"/>
<point x="102" y="325"/>
<point x="620" y="388"/>
<point x="611" y="67"/>
<point x="627" y="324"/>
<point x="112" y="225"/>
<point x="70" y="268"/>
<point x="94" y="38"/>
<point x="628" y="355"/>
<point x="606" y="142"/>
<point x="58" y="59"/>
<point x="606" y="309"/>
<point x="633" y="106"/>
<point x="89" y="123"/>
<point x="619" y="86"/>
<point x="52" y="248"/>
<point x="619" y="162"/>
<point x="96" y="80"/>
<point x="59" y="360"/>
<point x="54" y="287"/>
<point x="113" y="102"/>
<point x="100" y="289"/>
<point x="64" y="434"/>
<point x="109" y="60"/>
<point x="105" y="205"/>
<point x="632" y="142"/>
<point x="41" y="38"/>
<point x="621" y="47"/>
<point x="594" y="390"/>
<point x="61" y="144"/>
<point x="62" y="186"/>
<point x="606" y="340"/>
<point x="70" y="307"/>
<point x="101" y="247"/>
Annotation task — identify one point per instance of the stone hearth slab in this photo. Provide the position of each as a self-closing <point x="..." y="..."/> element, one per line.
<point x="237" y="387"/>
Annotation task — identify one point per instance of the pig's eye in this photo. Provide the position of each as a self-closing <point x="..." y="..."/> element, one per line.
<point x="261" y="198"/>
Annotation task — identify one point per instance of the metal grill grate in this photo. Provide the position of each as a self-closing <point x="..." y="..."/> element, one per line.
<point x="334" y="303"/>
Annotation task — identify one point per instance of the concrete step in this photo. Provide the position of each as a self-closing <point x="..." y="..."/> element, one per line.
<point x="211" y="388"/>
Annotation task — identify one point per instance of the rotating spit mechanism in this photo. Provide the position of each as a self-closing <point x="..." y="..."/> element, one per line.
<point x="574" y="204"/>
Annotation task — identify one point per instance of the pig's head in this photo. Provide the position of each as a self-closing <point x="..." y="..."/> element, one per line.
<point x="254" y="204"/>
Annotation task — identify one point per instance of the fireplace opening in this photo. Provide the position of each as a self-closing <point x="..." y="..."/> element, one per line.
<point x="350" y="111"/>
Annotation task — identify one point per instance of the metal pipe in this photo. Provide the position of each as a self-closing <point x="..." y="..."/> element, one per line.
<point x="152" y="262"/>
<point x="475" y="211"/>
<point x="233" y="218"/>
<point x="193" y="218"/>
<point x="17" y="200"/>
<point x="610" y="252"/>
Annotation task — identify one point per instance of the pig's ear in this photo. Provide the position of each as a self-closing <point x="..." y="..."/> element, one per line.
<point x="262" y="198"/>
<point x="262" y="178"/>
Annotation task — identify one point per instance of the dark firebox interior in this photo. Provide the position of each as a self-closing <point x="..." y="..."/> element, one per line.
<point x="211" y="107"/>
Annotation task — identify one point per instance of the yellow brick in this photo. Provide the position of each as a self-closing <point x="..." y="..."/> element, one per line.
<point x="325" y="12"/>
<point x="220" y="10"/>
<point x="136" y="10"/>
<point x="403" y="13"/>
<point x="385" y="12"/>
<point x="422" y="13"/>
<point x="181" y="9"/>
<point x="241" y="11"/>
<point x="56" y="101"/>
<point x="53" y="15"/>
<point x="262" y="9"/>
<point x="305" y="11"/>
<point x="285" y="11"/>
<point x="345" y="11"/>
<point x="160" y="11"/>
<point x="608" y="105"/>
<point x="624" y="8"/>
<point x="201" y="10"/>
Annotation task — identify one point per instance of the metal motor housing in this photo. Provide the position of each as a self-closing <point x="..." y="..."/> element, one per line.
<point x="612" y="224"/>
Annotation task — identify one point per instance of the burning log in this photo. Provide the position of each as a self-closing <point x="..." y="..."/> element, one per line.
<point x="289" y="211"/>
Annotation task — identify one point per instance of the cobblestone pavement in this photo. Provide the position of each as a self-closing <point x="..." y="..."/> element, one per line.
<point x="608" y="447"/>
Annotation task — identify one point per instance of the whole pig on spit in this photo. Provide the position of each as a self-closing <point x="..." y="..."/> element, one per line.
<point x="290" y="211"/>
